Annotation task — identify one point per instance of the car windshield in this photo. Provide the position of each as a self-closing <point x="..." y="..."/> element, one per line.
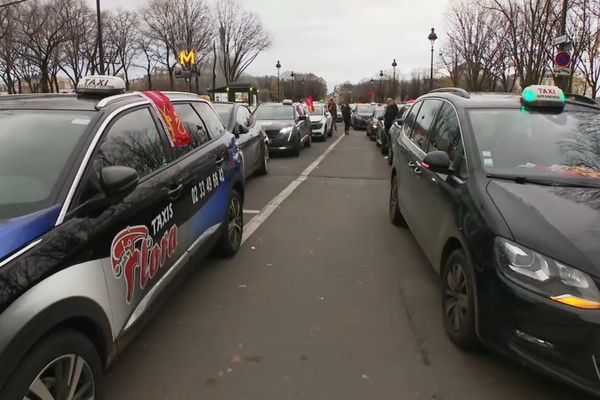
<point x="365" y="109"/>
<point x="533" y="144"/>
<point x="318" y="111"/>
<point x="379" y="113"/>
<point x="279" y="112"/>
<point x="35" y="148"/>
<point x="224" y="111"/>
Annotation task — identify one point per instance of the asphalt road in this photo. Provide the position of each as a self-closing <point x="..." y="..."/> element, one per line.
<point x="326" y="300"/>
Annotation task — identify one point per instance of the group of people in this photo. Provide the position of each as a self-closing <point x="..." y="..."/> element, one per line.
<point x="391" y="111"/>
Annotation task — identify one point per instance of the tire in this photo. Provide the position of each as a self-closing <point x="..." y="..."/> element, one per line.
<point x="458" y="302"/>
<point x="263" y="169"/>
<point x="390" y="155"/>
<point x="396" y="217"/>
<point x="295" y="152"/>
<point x="231" y="236"/>
<point x="64" y="349"/>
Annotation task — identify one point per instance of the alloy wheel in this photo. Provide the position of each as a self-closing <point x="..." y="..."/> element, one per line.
<point x="393" y="196"/>
<point x="68" y="377"/>
<point x="235" y="222"/>
<point x="456" y="297"/>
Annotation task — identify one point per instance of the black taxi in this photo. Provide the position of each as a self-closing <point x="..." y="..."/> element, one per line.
<point x="101" y="206"/>
<point x="502" y="192"/>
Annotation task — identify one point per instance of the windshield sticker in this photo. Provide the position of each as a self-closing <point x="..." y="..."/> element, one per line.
<point x="488" y="162"/>
<point x="80" y="122"/>
<point x="487" y="154"/>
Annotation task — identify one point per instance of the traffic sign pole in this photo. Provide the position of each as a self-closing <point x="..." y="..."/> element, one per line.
<point x="564" y="81"/>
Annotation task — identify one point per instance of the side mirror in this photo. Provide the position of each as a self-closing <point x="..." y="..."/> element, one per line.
<point x="117" y="181"/>
<point x="302" y="118"/>
<point x="437" y="161"/>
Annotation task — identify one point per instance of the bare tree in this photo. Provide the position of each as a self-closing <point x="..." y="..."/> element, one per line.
<point x="122" y="38"/>
<point x="9" y="48"/>
<point x="242" y="38"/>
<point x="78" y="53"/>
<point x="44" y="27"/>
<point x="589" y="61"/>
<point x="149" y="56"/>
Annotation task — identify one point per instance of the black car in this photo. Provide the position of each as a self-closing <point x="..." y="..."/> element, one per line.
<point x="104" y="202"/>
<point x="361" y="115"/>
<point x="251" y="136"/>
<point x="287" y="125"/>
<point x="375" y="124"/>
<point x="396" y="129"/>
<point x="502" y="194"/>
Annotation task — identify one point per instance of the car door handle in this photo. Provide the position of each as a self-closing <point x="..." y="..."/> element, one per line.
<point x="219" y="160"/>
<point x="417" y="170"/>
<point x="175" y="192"/>
<point x="412" y="164"/>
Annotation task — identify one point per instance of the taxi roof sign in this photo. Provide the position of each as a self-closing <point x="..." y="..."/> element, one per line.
<point x="101" y="85"/>
<point x="543" y="96"/>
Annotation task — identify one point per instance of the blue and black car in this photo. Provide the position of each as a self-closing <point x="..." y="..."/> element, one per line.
<point x="502" y="192"/>
<point x="99" y="212"/>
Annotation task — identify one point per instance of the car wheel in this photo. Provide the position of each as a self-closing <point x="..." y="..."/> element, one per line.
<point x="390" y="155"/>
<point x="263" y="169"/>
<point x="231" y="237"/>
<point x="63" y="365"/>
<point x="458" y="302"/>
<point x="295" y="152"/>
<point x="395" y="215"/>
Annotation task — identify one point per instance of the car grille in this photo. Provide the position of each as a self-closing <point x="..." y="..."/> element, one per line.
<point x="316" y="125"/>
<point x="272" y="133"/>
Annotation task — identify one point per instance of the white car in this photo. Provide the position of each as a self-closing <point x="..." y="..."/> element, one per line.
<point x="321" y="122"/>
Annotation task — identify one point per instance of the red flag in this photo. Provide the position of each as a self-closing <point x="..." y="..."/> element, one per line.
<point x="177" y="134"/>
<point x="309" y="103"/>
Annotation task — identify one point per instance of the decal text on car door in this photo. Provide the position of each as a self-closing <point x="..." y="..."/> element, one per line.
<point x="207" y="185"/>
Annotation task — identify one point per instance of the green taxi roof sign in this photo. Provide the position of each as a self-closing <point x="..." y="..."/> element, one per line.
<point x="543" y="96"/>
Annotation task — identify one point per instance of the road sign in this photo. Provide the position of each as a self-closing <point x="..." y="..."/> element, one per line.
<point x="560" y="40"/>
<point x="562" y="71"/>
<point x="562" y="59"/>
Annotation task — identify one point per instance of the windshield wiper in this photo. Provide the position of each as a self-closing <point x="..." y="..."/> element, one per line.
<point x="542" y="181"/>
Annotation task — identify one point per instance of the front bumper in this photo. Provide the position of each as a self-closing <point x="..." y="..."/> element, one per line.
<point x="318" y="132"/>
<point x="559" y="340"/>
<point x="359" y="123"/>
<point x="281" y="142"/>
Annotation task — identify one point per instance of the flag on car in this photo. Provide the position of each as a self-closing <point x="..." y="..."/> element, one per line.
<point x="178" y="135"/>
<point x="310" y="104"/>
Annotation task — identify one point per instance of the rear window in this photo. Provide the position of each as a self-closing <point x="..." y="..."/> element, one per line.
<point x="365" y="109"/>
<point x="35" y="149"/>
<point x="518" y="142"/>
<point x="278" y="112"/>
<point x="224" y="111"/>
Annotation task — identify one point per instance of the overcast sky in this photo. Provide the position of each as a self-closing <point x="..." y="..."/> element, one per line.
<point x="342" y="39"/>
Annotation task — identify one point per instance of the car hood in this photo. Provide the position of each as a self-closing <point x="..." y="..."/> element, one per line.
<point x="317" y="118"/>
<point x="18" y="232"/>
<point x="560" y="222"/>
<point x="272" y="125"/>
<point x="364" y="115"/>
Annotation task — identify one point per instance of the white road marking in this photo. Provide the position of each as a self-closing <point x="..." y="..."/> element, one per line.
<point x="251" y="211"/>
<point x="271" y="206"/>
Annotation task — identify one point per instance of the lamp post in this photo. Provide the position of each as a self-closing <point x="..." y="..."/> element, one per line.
<point x="381" y="85"/>
<point x="278" y="66"/>
<point x="293" y="93"/>
<point x="303" y="87"/>
<point x="371" y="97"/>
<point x="432" y="38"/>
<point x="394" y="65"/>
<point x="100" y="46"/>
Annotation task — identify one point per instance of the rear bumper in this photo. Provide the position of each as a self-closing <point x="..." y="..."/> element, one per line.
<point x="283" y="144"/>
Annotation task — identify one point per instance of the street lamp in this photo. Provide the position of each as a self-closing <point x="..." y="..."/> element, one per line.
<point x="432" y="38"/>
<point x="371" y="97"/>
<point x="394" y="65"/>
<point x="293" y="93"/>
<point x="381" y="85"/>
<point x="303" y="87"/>
<point x="100" y="46"/>
<point x="278" y="66"/>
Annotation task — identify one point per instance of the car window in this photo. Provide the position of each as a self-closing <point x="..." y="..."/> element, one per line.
<point x="274" y="112"/>
<point x="446" y="136"/>
<point x="133" y="140"/>
<point x="28" y="176"/>
<point x="243" y="117"/>
<point x="410" y="119"/>
<point x="211" y="119"/>
<point x="423" y="123"/>
<point x="194" y="127"/>
<point x="224" y="110"/>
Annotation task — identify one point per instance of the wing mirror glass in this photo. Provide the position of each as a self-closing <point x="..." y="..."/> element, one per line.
<point x="117" y="181"/>
<point x="437" y="161"/>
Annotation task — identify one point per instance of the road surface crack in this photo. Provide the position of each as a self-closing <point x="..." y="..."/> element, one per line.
<point x="419" y="340"/>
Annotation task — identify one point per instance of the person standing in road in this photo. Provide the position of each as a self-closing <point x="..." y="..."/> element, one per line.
<point x="346" y="113"/>
<point x="332" y="108"/>
<point x="391" y="112"/>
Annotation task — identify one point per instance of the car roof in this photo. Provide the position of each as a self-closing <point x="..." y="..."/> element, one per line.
<point x="471" y="100"/>
<point x="271" y="104"/>
<point x="53" y="101"/>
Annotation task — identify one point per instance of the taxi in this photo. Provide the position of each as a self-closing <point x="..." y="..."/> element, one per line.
<point x="502" y="193"/>
<point x="106" y="197"/>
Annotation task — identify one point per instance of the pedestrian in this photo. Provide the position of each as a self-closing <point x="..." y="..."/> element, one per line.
<point x="391" y="112"/>
<point x="346" y="113"/>
<point x="332" y="108"/>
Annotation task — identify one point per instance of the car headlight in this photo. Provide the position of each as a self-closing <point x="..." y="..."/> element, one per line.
<point x="546" y="276"/>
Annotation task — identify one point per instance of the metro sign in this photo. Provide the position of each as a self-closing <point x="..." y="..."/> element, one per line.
<point x="187" y="58"/>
